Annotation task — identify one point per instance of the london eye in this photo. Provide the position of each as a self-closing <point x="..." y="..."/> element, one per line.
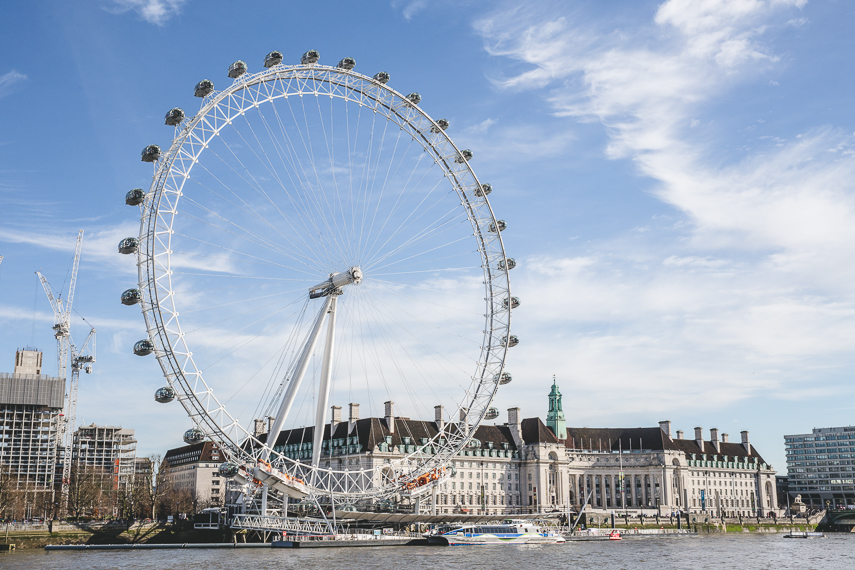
<point x="312" y="237"/>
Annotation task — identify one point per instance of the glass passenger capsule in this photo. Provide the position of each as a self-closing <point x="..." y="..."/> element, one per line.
<point x="135" y="197"/>
<point x="441" y="125"/>
<point x="347" y="63"/>
<point x="414" y="98"/>
<point x="511" y="303"/>
<point x="193" y="435"/>
<point x="150" y="153"/>
<point x="131" y="297"/>
<point x="174" y="117"/>
<point x="498" y="226"/>
<point x="237" y="69"/>
<point x="273" y="58"/>
<point x="204" y="88"/>
<point x="311" y="56"/>
<point x="164" y="395"/>
<point x="382" y="77"/>
<point x="143" y="347"/>
<point x="129" y="245"/>
<point x="464" y="156"/>
<point x="505" y="378"/>
<point x="511" y="341"/>
<point x="511" y="263"/>
<point x="228" y="470"/>
<point x="484" y="190"/>
<point x="492" y="414"/>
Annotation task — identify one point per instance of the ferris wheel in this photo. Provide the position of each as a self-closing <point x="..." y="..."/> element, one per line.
<point x="312" y="239"/>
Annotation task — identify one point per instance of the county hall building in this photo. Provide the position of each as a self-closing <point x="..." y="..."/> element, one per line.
<point x="527" y="466"/>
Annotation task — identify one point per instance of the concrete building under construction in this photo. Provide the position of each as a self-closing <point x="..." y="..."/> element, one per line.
<point x="110" y="450"/>
<point x="30" y="411"/>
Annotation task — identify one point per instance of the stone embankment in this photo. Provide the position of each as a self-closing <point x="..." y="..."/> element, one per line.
<point x="38" y="536"/>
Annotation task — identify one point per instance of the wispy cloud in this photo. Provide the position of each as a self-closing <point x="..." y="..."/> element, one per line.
<point x="152" y="11"/>
<point x="748" y="293"/>
<point x="101" y="243"/>
<point x="409" y="8"/>
<point x="9" y="80"/>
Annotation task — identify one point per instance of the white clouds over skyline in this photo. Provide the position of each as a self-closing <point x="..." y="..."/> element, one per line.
<point x="152" y="11"/>
<point x="8" y="81"/>
<point x="753" y="292"/>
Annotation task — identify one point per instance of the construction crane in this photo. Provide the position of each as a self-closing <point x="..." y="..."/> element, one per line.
<point x="80" y="360"/>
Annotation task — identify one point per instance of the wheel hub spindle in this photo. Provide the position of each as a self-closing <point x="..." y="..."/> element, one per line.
<point x="336" y="281"/>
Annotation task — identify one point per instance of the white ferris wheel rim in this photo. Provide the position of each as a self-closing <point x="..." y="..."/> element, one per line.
<point x="159" y="297"/>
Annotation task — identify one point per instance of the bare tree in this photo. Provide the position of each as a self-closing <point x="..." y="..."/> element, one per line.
<point x="180" y="500"/>
<point x="84" y="489"/>
<point x="8" y="496"/>
<point x="125" y="498"/>
<point x="150" y="488"/>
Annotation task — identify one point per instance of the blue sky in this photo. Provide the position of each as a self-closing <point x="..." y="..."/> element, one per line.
<point x="677" y="178"/>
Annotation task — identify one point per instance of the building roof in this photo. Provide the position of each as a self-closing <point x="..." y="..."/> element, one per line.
<point x="690" y="446"/>
<point x="652" y="439"/>
<point x="205" y="451"/>
<point x="614" y="439"/>
<point x="535" y="431"/>
<point x="371" y="432"/>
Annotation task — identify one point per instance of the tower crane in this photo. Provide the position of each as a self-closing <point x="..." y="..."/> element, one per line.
<point x="81" y="359"/>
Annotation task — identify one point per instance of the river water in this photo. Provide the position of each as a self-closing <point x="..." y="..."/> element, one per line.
<point x="698" y="552"/>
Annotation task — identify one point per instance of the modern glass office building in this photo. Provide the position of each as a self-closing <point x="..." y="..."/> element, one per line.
<point x="821" y="466"/>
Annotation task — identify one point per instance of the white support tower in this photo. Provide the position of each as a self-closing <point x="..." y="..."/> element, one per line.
<point x="80" y="359"/>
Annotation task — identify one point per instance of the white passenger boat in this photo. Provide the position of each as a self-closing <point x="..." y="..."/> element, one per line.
<point x="509" y="532"/>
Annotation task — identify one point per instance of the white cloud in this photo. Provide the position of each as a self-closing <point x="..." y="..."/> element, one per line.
<point x="100" y="244"/>
<point x="9" y="80"/>
<point x="482" y="127"/>
<point x="753" y="292"/>
<point x="409" y="8"/>
<point x="152" y="11"/>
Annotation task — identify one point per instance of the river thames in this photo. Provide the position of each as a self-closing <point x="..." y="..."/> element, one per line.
<point x="710" y="551"/>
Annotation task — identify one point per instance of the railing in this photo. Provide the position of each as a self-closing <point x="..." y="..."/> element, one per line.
<point x="281" y="524"/>
<point x="207" y="525"/>
<point x="311" y="529"/>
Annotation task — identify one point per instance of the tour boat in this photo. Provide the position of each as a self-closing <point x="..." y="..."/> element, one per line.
<point x="804" y="535"/>
<point x="509" y="532"/>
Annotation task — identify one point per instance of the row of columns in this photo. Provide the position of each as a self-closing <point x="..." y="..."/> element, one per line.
<point x="641" y="485"/>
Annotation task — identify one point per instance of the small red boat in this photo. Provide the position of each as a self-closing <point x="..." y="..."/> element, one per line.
<point x="614" y="535"/>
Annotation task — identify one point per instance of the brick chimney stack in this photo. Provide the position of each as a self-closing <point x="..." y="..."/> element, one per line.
<point x="515" y="426"/>
<point x="745" y="443"/>
<point x="665" y="426"/>
<point x="699" y="437"/>
<point x="335" y="419"/>
<point x="353" y="416"/>
<point x="390" y="416"/>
